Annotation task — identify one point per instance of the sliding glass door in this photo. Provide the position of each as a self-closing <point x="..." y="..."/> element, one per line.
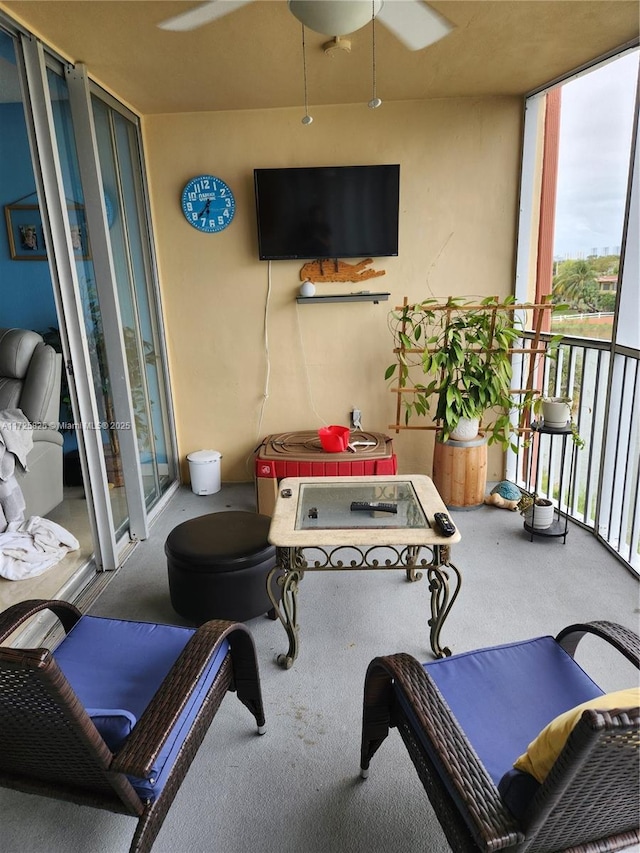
<point x="120" y="167"/>
<point x="90" y="188"/>
<point x="89" y="299"/>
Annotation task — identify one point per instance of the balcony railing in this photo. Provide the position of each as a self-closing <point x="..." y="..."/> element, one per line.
<point x="602" y="494"/>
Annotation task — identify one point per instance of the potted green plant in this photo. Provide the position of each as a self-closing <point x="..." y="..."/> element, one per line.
<point x="464" y="349"/>
<point x="453" y="362"/>
<point x="555" y="412"/>
<point x="537" y="512"/>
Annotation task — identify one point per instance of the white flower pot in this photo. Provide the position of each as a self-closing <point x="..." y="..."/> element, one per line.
<point x="541" y="516"/>
<point x="466" y="429"/>
<point x="556" y="411"/>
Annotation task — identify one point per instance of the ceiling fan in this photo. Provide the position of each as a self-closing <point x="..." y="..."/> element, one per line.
<point x="414" y="22"/>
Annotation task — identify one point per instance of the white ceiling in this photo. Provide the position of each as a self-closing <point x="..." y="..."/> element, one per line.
<point x="252" y="58"/>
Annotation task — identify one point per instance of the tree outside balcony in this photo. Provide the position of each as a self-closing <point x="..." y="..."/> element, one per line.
<point x="577" y="284"/>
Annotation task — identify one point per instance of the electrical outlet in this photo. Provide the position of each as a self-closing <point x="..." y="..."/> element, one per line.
<point x="356" y="419"/>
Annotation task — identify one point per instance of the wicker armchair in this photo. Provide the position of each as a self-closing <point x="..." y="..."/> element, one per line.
<point x="115" y="715"/>
<point x="588" y="802"/>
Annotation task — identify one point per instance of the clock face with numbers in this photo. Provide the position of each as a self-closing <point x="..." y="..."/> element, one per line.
<point x="208" y="204"/>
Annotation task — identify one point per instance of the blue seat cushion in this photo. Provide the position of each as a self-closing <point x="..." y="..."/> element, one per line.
<point x="517" y="789"/>
<point x="503" y="696"/>
<point x="115" y="667"/>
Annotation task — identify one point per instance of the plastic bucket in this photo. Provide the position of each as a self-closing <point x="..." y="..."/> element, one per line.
<point x="204" y="471"/>
<point x="334" y="439"/>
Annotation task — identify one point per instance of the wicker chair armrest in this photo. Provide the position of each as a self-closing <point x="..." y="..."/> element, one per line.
<point x="623" y="639"/>
<point x="151" y="731"/>
<point x="14" y="616"/>
<point x="490" y="822"/>
<point x="558" y="806"/>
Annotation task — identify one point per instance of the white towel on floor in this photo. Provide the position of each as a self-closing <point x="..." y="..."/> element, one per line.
<point x="30" y="548"/>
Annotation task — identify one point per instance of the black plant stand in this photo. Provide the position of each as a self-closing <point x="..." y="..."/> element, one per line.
<point x="560" y="524"/>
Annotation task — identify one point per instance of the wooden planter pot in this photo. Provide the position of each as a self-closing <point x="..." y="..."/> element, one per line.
<point x="460" y="472"/>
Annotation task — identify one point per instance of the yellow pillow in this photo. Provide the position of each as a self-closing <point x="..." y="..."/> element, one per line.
<point x="543" y="751"/>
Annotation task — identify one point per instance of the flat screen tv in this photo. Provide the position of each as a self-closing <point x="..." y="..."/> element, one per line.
<point x="327" y="212"/>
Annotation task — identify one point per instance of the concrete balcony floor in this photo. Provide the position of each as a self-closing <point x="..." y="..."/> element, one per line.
<point x="297" y="789"/>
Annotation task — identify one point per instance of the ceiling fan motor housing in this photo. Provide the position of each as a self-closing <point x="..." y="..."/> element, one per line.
<point x="334" y="17"/>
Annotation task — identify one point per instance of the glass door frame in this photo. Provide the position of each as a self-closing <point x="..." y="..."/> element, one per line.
<point x="96" y="215"/>
<point x="34" y="60"/>
<point x="50" y="189"/>
<point x="148" y="257"/>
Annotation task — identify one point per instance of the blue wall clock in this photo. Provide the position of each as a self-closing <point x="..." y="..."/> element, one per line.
<point x="208" y="204"/>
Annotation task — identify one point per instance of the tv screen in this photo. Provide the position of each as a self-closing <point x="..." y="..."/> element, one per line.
<point x="327" y="212"/>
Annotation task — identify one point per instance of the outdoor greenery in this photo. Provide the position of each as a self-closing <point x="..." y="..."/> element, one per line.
<point x="583" y="328"/>
<point x="576" y="283"/>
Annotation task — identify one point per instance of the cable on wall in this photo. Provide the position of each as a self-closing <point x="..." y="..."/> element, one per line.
<point x="306" y="119"/>
<point x="306" y="370"/>
<point x="265" y="393"/>
<point x="267" y="378"/>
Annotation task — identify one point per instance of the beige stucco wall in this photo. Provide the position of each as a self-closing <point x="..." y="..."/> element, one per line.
<point x="236" y="378"/>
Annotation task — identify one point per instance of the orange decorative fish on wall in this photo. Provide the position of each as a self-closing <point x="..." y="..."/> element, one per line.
<point x="330" y="270"/>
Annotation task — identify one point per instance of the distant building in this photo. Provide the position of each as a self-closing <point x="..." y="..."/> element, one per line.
<point x="581" y="254"/>
<point x="607" y="283"/>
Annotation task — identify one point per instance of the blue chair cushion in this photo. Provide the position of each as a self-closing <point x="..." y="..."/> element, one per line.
<point x="114" y="724"/>
<point x="115" y="667"/>
<point x="517" y="789"/>
<point x="503" y="696"/>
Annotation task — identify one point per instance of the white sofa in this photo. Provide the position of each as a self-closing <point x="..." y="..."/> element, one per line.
<point x="30" y="376"/>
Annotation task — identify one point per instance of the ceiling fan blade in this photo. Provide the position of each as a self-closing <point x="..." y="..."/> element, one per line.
<point x="201" y="15"/>
<point x="413" y="22"/>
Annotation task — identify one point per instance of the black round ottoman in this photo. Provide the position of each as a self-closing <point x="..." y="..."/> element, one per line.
<point x="218" y="566"/>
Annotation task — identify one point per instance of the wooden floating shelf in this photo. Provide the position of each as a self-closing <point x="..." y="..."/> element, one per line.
<point x="347" y="297"/>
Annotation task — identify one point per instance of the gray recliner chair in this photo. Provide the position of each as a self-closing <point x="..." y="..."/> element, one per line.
<point x="30" y="377"/>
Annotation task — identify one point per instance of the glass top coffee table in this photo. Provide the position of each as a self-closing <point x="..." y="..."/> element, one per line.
<point x="356" y="523"/>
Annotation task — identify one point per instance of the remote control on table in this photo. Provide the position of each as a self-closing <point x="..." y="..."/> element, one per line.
<point x="444" y="523"/>
<point x="374" y="506"/>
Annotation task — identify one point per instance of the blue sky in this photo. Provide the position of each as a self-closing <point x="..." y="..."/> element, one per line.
<point x="595" y="138"/>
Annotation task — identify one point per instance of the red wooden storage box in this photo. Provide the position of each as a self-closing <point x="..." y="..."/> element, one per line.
<point x="300" y="454"/>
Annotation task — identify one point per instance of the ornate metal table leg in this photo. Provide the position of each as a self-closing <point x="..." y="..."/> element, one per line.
<point x="412" y="553"/>
<point x="442" y="598"/>
<point x="291" y="564"/>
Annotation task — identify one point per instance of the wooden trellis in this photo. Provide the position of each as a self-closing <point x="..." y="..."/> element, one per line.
<point x="532" y="347"/>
